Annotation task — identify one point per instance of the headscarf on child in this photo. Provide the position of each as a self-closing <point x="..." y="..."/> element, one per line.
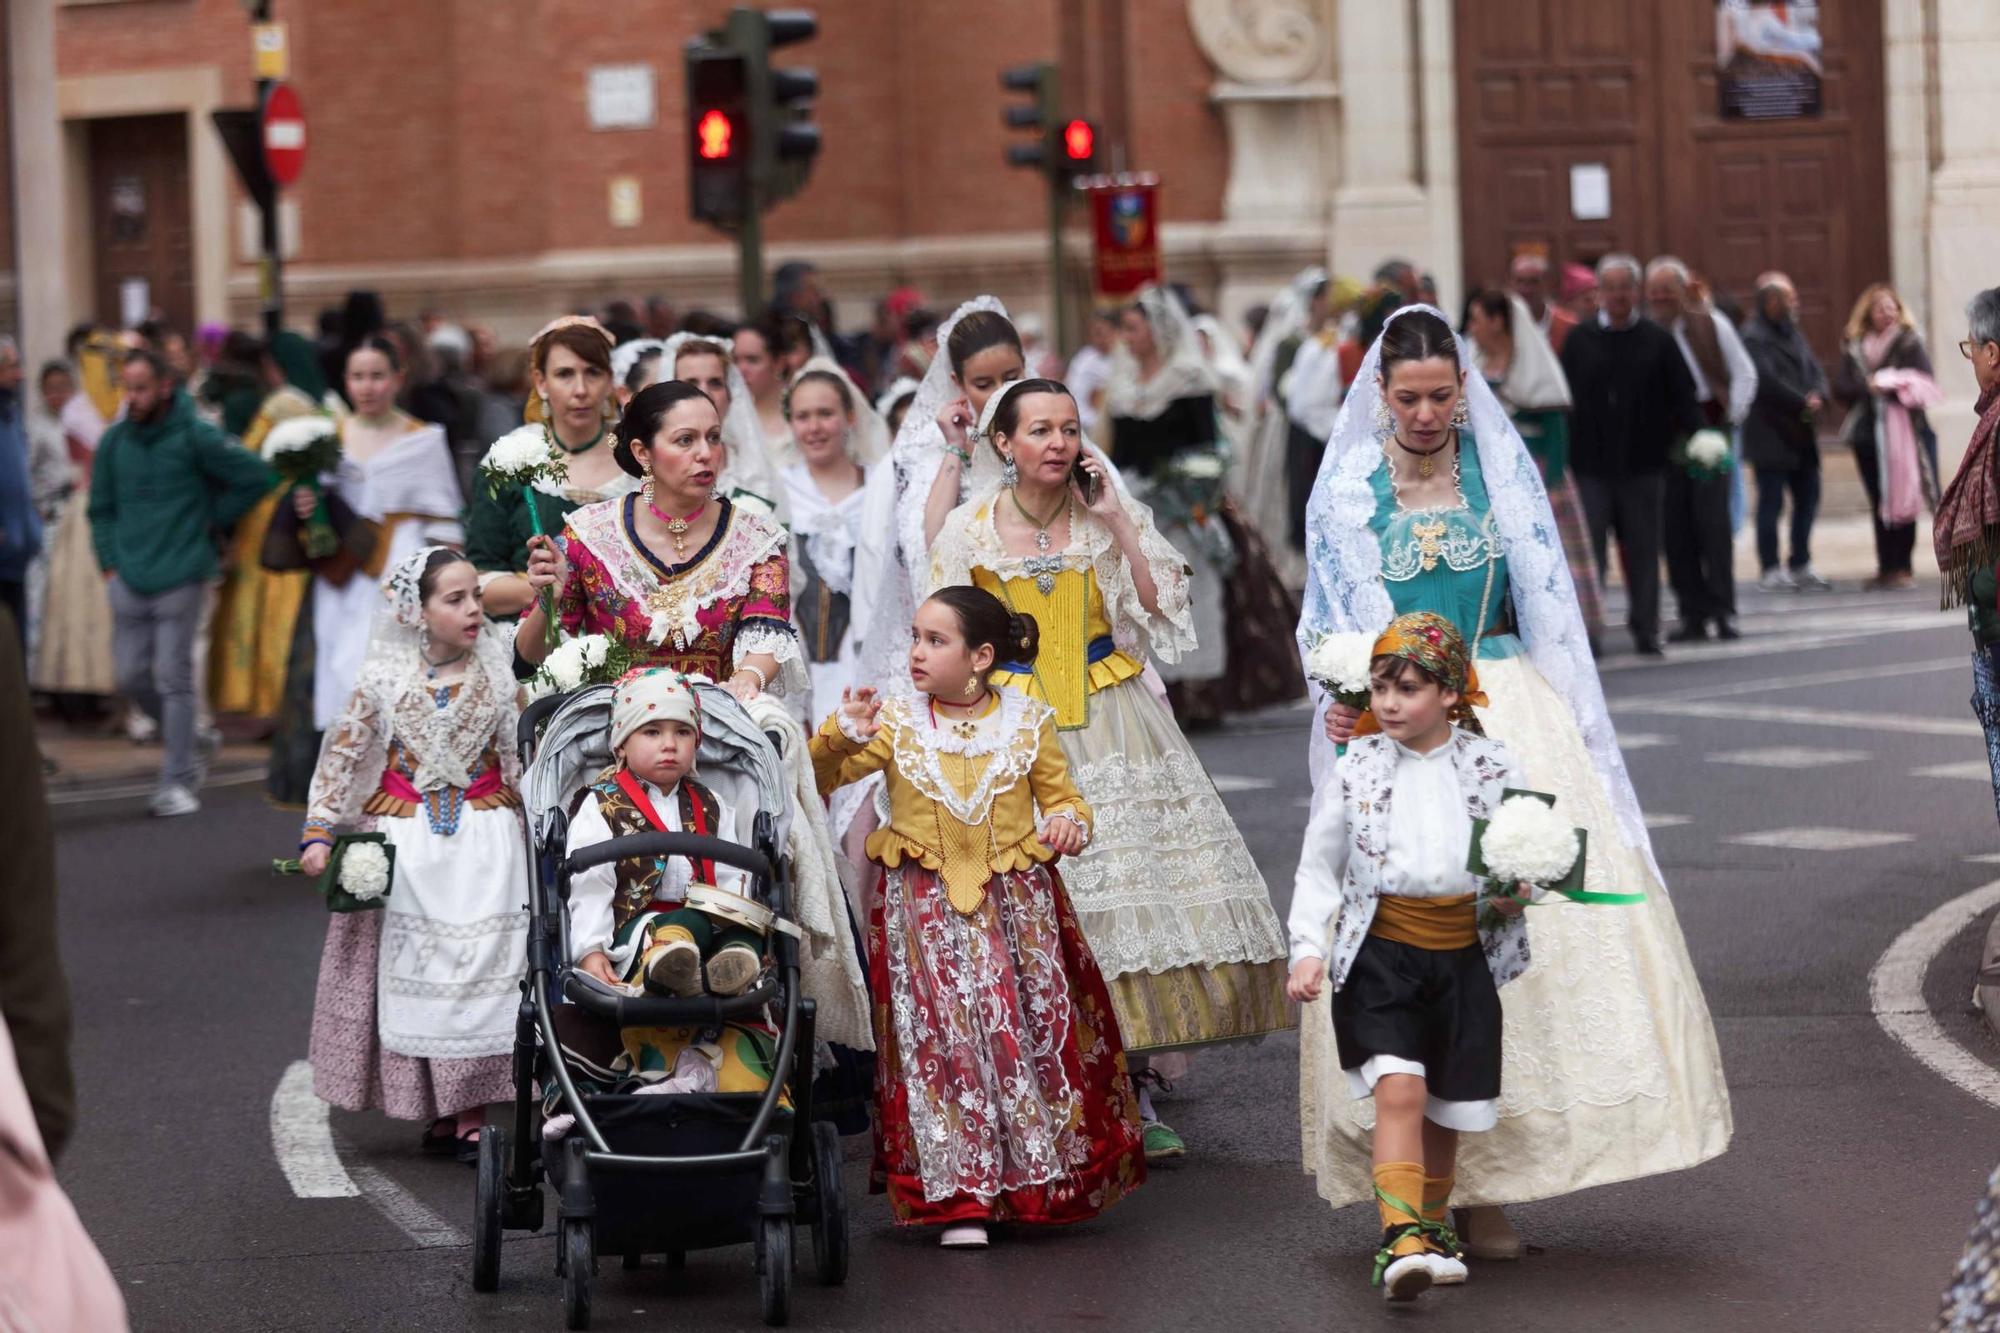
<point x="652" y="694"/>
<point x="1436" y="646"/>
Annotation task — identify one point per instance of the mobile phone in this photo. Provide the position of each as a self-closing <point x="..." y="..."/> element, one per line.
<point x="1086" y="481"/>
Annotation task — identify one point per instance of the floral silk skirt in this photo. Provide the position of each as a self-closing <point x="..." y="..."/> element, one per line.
<point x="1001" y="1093"/>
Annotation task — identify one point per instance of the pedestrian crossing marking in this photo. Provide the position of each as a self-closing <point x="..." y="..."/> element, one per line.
<point x="1820" y="839"/>
<point x="1229" y="782"/>
<point x="1644" y="740"/>
<point x="1788" y="756"/>
<point x="1976" y="770"/>
<point x="1667" y="821"/>
<point x="1984" y="859"/>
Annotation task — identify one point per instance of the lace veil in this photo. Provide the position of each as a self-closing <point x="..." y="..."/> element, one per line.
<point x="1184" y="370"/>
<point x="627" y="354"/>
<point x="1345" y="591"/>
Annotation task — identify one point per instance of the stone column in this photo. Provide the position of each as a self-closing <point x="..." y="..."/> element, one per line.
<point x="37" y="184"/>
<point x="1964" y="188"/>
<point x="1273" y="60"/>
<point x="1380" y="208"/>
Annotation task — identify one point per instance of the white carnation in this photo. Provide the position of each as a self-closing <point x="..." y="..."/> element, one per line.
<point x="748" y="502"/>
<point x="364" y="871"/>
<point x="564" y="665"/>
<point x="1527" y="842"/>
<point x="592" y="649"/>
<point x="1201" y="467"/>
<point x="521" y="450"/>
<point x="1708" y="448"/>
<point x="297" y="434"/>
<point x="1340" y="661"/>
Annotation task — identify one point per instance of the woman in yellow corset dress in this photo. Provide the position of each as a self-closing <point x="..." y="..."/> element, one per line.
<point x="1172" y="903"/>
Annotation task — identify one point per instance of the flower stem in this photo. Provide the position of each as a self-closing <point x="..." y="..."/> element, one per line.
<point x="551" y="635"/>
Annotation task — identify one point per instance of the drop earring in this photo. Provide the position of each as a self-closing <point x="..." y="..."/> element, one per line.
<point x="1461" y="415"/>
<point x="646" y="483"/>
<point x="1010" y="475"/>
<point x="1384" y="423"/>
<point x="971" y="687"/>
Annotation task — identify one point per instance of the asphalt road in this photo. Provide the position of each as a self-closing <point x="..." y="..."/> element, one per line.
<point x="1819" y="788"/>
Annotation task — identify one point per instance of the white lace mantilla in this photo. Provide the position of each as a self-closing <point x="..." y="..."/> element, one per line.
<point x="970" y="540"/>
<point x="1011" y="733"/>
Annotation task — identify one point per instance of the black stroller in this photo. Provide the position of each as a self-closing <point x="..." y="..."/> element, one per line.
<point x="638" y="1175"/>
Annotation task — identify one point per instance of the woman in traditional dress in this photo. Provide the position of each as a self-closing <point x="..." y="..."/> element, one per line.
<point x="394" y="491"/>
<point x="1169" y="898"/>
<point x="758" y="358"/>
<point x="571" y="365"/>
<point x="679" y="575"/>
<point x="1161" y="402"/>
<point x="423" y="751"/>
<point x="1428" y="501"/>
<point x="73" y="645"/>
<point x="826" y="499"/>
<point x="1522" y="370"/>
<point x="1885" y="380"/>
<point x="749" y="467"/>
<point x="258" y="609"/>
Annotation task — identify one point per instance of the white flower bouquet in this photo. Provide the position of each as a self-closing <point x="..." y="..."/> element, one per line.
<point x="299" y="449"/>
<point x="590" y="659"/>
<point x="1709" y="454"/>
<point x="1339" y="663"/>
<point x="1525" y="841"/>
<point x="519" y="459"/>
<point x="359" y="872"/>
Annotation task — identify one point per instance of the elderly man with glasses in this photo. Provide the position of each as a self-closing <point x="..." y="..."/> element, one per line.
<point x="1966" y="532"/>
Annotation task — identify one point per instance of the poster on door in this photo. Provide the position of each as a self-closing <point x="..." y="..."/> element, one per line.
<point x="1767" y="59"/>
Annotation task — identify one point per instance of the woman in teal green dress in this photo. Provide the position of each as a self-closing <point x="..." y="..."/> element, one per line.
<point x="1427" y="500"/>
<point x="574" y="402"/>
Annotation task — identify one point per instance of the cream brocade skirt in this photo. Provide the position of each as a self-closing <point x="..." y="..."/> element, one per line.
<point x="1610" y="1069"/>
<point x="1172" y="905"/>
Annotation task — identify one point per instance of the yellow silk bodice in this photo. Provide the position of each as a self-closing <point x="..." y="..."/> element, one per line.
<point x="1071" y="618"/>
<point x="962" y="795"/>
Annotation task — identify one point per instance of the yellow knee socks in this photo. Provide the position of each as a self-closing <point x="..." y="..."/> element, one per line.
<point x="1396" y="1184"/>
<point x="1437" y="1206"/>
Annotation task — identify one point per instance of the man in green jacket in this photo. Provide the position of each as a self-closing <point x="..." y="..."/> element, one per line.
<point x="164" y="484"/>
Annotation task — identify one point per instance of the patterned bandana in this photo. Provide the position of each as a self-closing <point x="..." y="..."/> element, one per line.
<point x="652" y="694"/>
<point x="1435" y="644"/>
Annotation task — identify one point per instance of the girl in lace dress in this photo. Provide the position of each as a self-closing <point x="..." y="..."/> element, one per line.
<point x="415" y="1010"/>
<point x="1001" y="1093"/>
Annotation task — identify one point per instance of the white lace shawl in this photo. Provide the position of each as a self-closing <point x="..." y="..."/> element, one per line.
<point x="1011" y="734"/>
<point x="393" y="702"/>
<point x="969" y="540"/>
<point x="1184" y="371"/>
<point x="1345" y="591"/>
<point x="750" y="540"/>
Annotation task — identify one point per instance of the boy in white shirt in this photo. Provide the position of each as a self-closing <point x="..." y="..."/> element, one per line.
<point x="1415" y="968"/>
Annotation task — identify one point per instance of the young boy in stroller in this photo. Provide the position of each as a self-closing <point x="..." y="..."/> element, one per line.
<point x="665" y="924"/>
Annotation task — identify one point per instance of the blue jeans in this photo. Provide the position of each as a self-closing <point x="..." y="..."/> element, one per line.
<point x="1772" y="484"/>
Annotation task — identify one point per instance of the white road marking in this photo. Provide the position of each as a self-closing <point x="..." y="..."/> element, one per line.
<point x="1820" y="839"/>
<point x="1804" y="717"/>
<point x="303" y="1142"/>
<point x="1668" y="821"/>
<point x="81" y="795"/>
<point x="1976" y="770"/>
<point x="1983" y="859"/>
<point x="1788" y="756"/>
<point x="1814" y="680"/>
<point x="1229" y="782"/>
<point x="1643" y="740"/>
<point x="1896" y="994"/>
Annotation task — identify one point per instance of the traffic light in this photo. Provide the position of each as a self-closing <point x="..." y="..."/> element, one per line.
<point x="1040" y="82"/>
<point x="718" y="163"/>
<point x="1079" y="143"/>
<point x="783" y="138"/>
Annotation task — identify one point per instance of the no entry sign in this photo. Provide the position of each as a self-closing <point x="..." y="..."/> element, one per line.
<point x="284" y="135"/>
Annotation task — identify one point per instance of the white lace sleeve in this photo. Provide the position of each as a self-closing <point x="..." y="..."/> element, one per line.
<point x="350" y="764"/>
<point x="951" y="556"/>
<point x="1169" y="633"/>
<point x="766" y="636"/>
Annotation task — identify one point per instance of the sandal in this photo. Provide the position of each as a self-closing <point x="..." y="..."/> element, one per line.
<point x="436" y="1144"/>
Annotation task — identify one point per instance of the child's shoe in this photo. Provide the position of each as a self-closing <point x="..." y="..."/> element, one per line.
<point x="1406" y="1277"/>
<point x="673" y="964"/>
<point x="971" y="1236"/>
<point x="1161" y="1142"/>
<point x="733" y="969"/>
<point x="1447" y="1270"/>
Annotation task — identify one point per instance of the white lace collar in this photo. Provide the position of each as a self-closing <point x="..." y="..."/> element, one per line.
<point x="1010" y="734"/>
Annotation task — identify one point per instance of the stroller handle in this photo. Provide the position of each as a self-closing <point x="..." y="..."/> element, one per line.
<point x="647" y="1011"/>
<point x="634" y="845"/>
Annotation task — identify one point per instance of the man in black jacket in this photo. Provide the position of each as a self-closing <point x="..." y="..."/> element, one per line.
<point x="1781" y="434"/>
<point x="1634" y="405"/>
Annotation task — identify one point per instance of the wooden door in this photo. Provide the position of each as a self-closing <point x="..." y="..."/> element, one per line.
<point x="1549" y="85"/>
<point x="141" y="231"/>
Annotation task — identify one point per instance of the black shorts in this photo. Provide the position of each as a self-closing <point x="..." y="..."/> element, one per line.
<point x="1435" y="1007"/>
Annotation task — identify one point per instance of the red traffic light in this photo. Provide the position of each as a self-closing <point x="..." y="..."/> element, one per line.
<point x="715" y="136"/>
<point x="1079" y="140"/>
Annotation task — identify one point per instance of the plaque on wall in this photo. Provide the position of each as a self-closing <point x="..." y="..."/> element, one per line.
<point x="1767" y="59"/>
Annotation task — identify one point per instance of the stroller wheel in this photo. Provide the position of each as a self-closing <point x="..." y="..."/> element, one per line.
<point x="490" y="1189"/>
<point x="774" y="1269"/>
<point x="829" y="1220"/>
<point x="577" y="1262"/>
